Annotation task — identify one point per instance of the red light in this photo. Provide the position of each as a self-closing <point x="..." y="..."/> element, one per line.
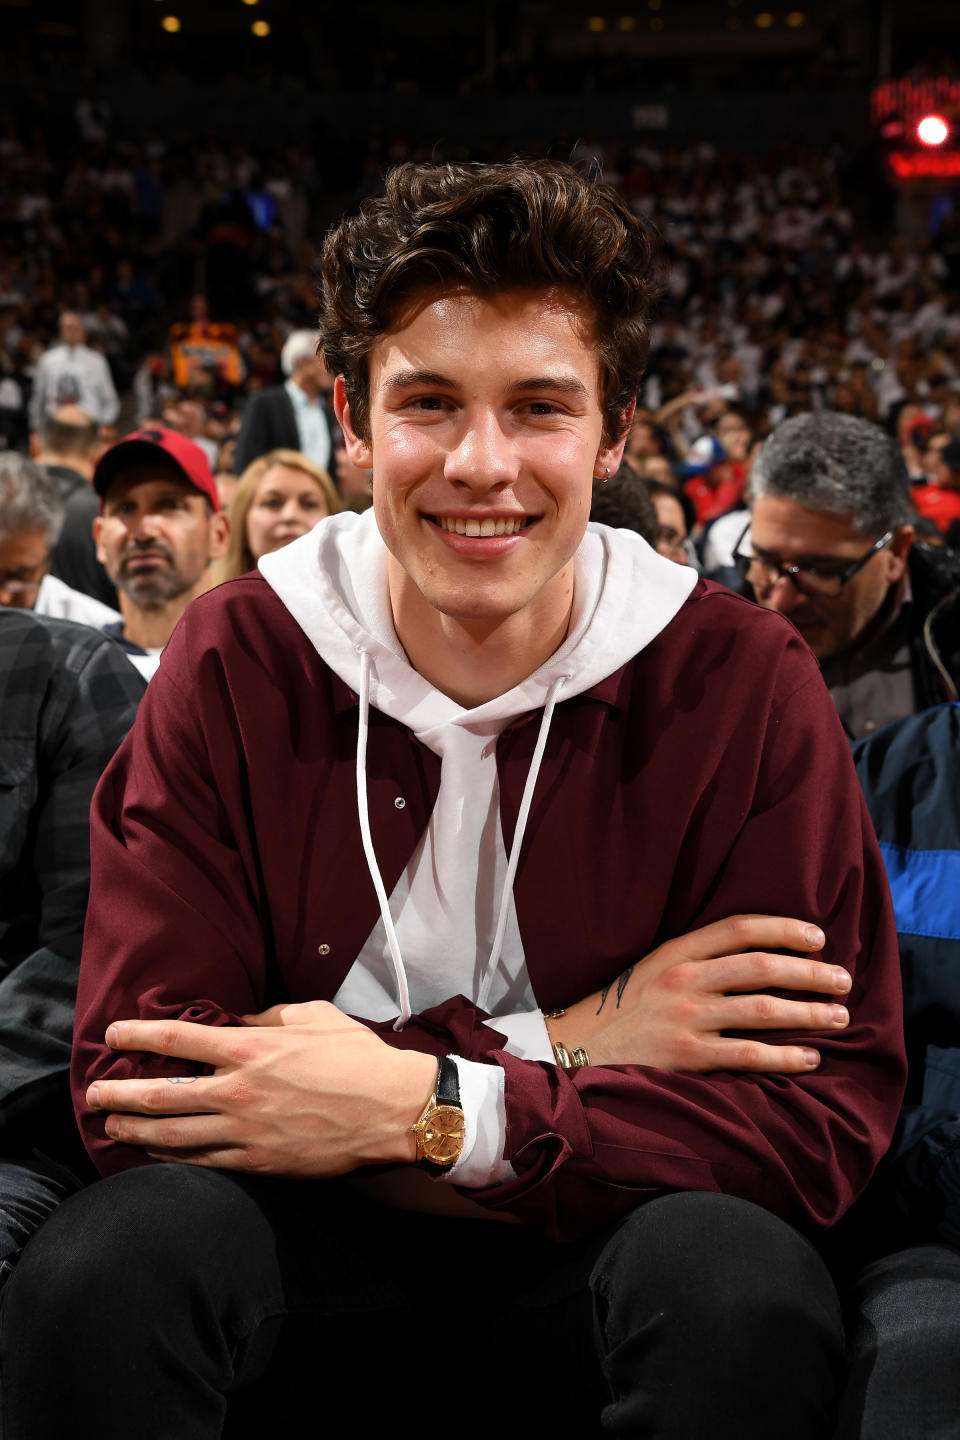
<point x="932" y="130"/>
<point x="925" y="165"/>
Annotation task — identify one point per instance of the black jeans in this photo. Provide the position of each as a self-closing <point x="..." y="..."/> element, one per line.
<point x="181" y="1302"/>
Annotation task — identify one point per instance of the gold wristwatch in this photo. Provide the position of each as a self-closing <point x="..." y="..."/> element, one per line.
<point x="439" y="1130"/>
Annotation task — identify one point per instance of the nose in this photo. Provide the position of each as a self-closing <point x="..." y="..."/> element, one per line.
<point x="483" y="455"/>
<point x="144" y="527"/>
<point x="784" y="596"/>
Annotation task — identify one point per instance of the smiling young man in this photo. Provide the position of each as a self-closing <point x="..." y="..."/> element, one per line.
<point x="468" y="864"/>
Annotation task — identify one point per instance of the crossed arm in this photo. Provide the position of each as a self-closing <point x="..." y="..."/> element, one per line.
<point x="304" y="1090"/>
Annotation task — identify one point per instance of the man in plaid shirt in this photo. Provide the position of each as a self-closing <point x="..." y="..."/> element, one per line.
<point x="68" y="695"/>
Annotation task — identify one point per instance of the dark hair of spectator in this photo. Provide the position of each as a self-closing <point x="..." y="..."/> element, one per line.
<point x="659" y="487"/>
<point x="837" y="463"/>
<point x="62" y="438"/>
<point x="486" y="229"/>
<point x="623" y="502"/>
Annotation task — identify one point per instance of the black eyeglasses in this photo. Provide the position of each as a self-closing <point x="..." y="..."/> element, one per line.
<point x="763" y="571"/>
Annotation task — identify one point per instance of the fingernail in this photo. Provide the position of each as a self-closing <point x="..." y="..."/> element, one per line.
<point x="842" y="979"/>
<point x="838" y="1015"/>
<point x="811" y="1058"/>
<point x="93" y="1098"/>
<point x="113" y="1037"/>
<point x="813" y="935"/>
<point x="112" y="1127"/>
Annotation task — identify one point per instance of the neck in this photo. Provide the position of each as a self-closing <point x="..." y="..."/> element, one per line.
<point x="80" y="463"/>
<point x="307" y="386"/>
<point x="151" y="628"/>
<point x="475" y="660"/>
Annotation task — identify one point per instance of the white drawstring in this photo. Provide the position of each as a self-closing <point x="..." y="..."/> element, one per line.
<point x="526" y="801"/>
<point x="522" y="815"/>
<point x="403" y="992"/>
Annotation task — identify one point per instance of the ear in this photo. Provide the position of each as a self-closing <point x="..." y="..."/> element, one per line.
<point x="610" y="455"/>
<point x="358" y="451"/>
<point x="219" y="534"/>
<point x="97" y="529"/>
<point x="899" y="551"/>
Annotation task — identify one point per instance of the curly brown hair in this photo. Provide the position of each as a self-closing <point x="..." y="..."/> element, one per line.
<point x="526" y="224"/>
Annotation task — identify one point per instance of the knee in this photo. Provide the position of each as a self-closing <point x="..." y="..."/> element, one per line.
<point x="144" y="1231"/>
<point x="714" y="1261"/>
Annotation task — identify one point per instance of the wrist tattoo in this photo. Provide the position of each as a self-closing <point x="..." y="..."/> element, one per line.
<point x="182" y="1079"/>
<point x="621" y="983"/>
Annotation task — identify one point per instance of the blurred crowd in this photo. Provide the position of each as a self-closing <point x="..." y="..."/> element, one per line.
<point x="188" y="268"/>
<point x="154" y="284"/>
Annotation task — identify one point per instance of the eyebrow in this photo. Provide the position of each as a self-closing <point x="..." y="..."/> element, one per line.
<point x="552" y="384"/>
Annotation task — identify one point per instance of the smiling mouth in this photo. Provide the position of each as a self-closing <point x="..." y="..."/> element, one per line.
<point x="458" y="525"/>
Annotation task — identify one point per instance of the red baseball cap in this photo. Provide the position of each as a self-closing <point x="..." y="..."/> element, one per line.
<point x="141" y="445"/>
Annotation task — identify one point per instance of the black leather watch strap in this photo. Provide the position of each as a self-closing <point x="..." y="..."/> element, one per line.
<point x="448" y="1082"/>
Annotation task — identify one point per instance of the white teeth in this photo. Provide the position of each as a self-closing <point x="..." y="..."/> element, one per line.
<point x="487" y="527"/>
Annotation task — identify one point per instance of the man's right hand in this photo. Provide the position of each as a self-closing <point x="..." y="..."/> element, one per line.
<point x="671" y="1008"/>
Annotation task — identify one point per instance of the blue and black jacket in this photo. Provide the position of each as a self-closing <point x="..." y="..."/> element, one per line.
<point x="910" y="773"/>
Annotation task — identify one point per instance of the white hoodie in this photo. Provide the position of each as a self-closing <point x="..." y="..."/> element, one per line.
<point x="450" y="926"/>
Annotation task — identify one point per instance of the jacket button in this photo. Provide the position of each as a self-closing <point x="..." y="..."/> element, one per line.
<point x="400" y="802"/>
<point x="323" y="949"/>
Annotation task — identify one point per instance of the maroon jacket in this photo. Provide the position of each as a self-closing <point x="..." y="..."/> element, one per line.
<point x="707" y="777"/>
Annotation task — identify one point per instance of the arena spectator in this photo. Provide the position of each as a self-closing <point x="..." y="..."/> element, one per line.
<point x="31" y="519"/>
<point x="72" y="374"/>
<point x="939" y="500"/>
<point x="69" y="446"/>
<point x="67" y="698"/>
<point x="291" y="416"/>
<point x="205" y="354"/>
<point x="830" y="545"/>
<point x="714" y="482"/>
<point x="279" y="497"/>
<point x="676" y="518"/>
<point x="159" y="531"/>
<point x="903" y="1238"/>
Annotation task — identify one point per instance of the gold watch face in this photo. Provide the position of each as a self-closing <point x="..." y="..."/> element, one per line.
<point x="441" y="1135"/>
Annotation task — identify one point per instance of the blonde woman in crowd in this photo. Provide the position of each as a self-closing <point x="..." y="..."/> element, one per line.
<point x="280" y="496"/>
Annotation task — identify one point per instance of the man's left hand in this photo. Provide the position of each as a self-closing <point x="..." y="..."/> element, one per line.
<point x="301" y="1090"/>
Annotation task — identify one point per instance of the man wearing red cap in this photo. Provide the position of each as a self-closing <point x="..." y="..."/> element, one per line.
<point x="159" y="528"/>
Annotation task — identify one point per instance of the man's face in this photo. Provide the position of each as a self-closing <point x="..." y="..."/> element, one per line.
<point x="156" y="535"/>
<point x="673" y="527"/>
<point x="24" y="560"/>
<point x="71" y="330"/>
<point x="734" y="436"/>
<point x="485" y="435"/>
<point x="787" y="532"/>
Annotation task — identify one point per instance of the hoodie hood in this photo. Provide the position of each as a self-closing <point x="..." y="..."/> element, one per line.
<point x="459" y="938"/>
<point x="333" y="581"/>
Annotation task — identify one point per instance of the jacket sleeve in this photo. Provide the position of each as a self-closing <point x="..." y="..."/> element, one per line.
<point x="588" y="1145"/>
<point x="254" y="437"/>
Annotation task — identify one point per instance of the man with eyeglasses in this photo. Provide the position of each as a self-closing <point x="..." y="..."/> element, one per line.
<point x="31" y="519"/>
<point x="831" y="545"/>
